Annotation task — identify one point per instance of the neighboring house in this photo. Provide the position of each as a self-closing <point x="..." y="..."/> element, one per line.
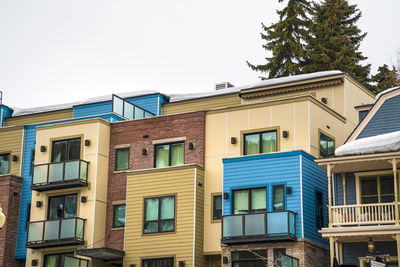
<point x="363" y="186"/>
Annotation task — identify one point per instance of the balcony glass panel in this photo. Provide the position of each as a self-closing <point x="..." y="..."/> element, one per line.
<point x="118" y="105"/>
<point x="84" y="171"/>
<point x="51" y="229"/>
<point x="40" y="174"/>
<point x="56" y="172"/>
<point x="128" y="110"/>
<point x="147" y="114"/>
<point x="292" y="218"/>
<point x="67" y="228"/>
<point x="35" y="231"/>
<point x="277" y="223"/>
<point x="139" y="113"/>
<point x="254" y="224"/>
<point x="232" y="226"/>
<point x="71" y="170"/>
<point x="79" y="228"/>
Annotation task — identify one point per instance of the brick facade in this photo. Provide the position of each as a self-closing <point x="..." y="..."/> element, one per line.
<point x="10" y="194"/>
<point x="140" y="134"/>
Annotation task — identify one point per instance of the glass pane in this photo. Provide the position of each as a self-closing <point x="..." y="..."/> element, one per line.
<point x="35" y="231"/>
<point x="128" y="111"/>
<point x="40" y="174"/>
<point x="331" y="147"/>
<point x="232" y="226"/>
<point x="4" y="163"/>
<point x="258" y="199"/>
<point x="251" y="144"/>
<point x="70" y="206"/>
<point x="74" y="149"/>
<point x="51" y="261"/>
<point x="119" y="216"/>
<point x="167" y="208"/>
<point x="151" y="227"/>
<point x="67" y="228"/>
<point x="84" y="171"/>
<point x="151" y="209"/>
<point x="51" y="229"/>
<point x="260" y="263"/>
<point x="56" y="208"/>
<point x="71" y="170"/>
<point x="122" y="159"/>
<point x="241" y="202"/>
<point x="326" y="145"/>
<point x="269" y="142"/>
<point x="277" y="223"/>
<point x="241" y="264"/>
<point x="254" y="224"/>
<point x="217" y="207"/>
<point x="80" y="224"/>
<point x="59" y="153"/>
<point x="177" y="154"/>
<point x="71" y="261"/>
<point x="279" y="197"/>
<point x="56" y="172"/>
<point x="387" y="185"/>
<point x="369" y="186"/>
<point x="147" y="114"/>
<point x="139" y="113"/>
<point x="387" y="199"/>
<point x="118" y="104"/>
<point x="369" y="200"/>
<point x="167" y="226"/>
<point x="292" y="223"/>
<point x="150" y="263"/>
<point x="169" y="262"/>
<point x="162" y="156"/>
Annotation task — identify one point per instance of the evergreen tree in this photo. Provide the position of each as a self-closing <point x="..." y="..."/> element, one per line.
<point x="386" y="78"/>
<point x="286" y="40"/>
<point x="335" y="41"/>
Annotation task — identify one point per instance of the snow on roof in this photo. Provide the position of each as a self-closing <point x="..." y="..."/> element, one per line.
<point x="26" y="111"/>
<point x="385" y="92"/>
<point x="389" y="142"/>
<point x="265" y="83"/>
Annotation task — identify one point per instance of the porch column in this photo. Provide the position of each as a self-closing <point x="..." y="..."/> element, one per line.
<point x="329" y="173"/>
<point x="396" y="194"/>
<point x="340" y="248"/>
<point x="398" y="249"/>
<point x="331" y="249"/>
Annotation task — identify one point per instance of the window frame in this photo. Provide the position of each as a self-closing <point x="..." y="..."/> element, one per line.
<point x="169" y="153"/>
<point x="68" y="148"/>
<point x="250" y="208"/>
<point x="319" y="210"/>
<point x="115" y="158"/>
<point x="260" y="132"/>
<point x="159" y="221"/>
<point x="320" y="132"/>
<point x="54" y="196"/>
<point x="158" y="259"/>
<point x="213" y="195"/>
<point x="284" y="196"/>
<point x="378" y="184"/>
<point x="114" y="206"/>
<point x="59" y="257"/>
<point x="9" y="162"/>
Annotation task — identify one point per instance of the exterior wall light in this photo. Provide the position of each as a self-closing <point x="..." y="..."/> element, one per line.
<point x="42" y="148"/>
<point x="87" y="142"/>
<point x="371" y="245"/>
<point x="233" y="140"/>
<point x="14" y="158"/>
<point x="285" y="134"/>
<point x="191" y="146"/>
<point x="144" y="151"/>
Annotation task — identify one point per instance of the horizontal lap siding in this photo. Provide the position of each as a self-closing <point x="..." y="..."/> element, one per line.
<point x="351" y="197"/>
<point x="10" y="142"/>
<point x="314" y="178"/>
<point x="37" y="118"/>
<point x="265" y="172"/>
<point x="200" y="260"/>
<point x="148" y="102"/>
<point x="92" y="109"/>
<point x="385" y="120"/>
<point x="178" y="244"/>
<point x="338" y="187"/>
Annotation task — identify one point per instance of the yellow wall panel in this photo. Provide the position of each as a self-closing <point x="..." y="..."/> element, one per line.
<point x="11" y="139"/>
<point x="42" y="117"/>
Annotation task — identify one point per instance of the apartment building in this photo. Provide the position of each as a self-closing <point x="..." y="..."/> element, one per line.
<point x="363" y="188"/>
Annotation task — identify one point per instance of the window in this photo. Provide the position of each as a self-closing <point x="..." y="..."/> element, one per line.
<point x="118" y="216"/>
<point x="169" y="154"/>
<point x="263" y="142"/>
<point x="32" y="160"/>
<point x="54" y="260"/>
<point x="61" y="207"/>
<point x="122" y="159"/>
<point x="216" y="207"/>
<point x="362" y="114"/>
<point x="278" y="192"/>
<point x="65" y="150"/>
<point x="326" y="145"/>
<point x="164" y="262"/>
<point x="4" y="163"/>
<point x="249" y="200"/>
<point x="319" y="202"/>
<point x="28" y="216"/>
<point x="377" y="189"/>
<point x="256" y="258"/>
<point x="159" y="214"/>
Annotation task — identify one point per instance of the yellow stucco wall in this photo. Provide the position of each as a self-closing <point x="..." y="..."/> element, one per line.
<point x="42" y="117"/>
<point x="11" y="140"/>
<point x="94" y="210"/>
<point x="179" y="181"/>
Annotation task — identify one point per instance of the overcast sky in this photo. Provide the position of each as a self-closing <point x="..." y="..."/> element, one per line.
<point x="64" y="51"/>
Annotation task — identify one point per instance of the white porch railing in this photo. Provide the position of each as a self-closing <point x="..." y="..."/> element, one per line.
<point x="363" y="214"/>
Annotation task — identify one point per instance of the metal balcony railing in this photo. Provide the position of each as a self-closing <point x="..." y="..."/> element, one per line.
<point x="54" y="233"/>
<point x="60" y="175"/>
<point x="256" y="227"/>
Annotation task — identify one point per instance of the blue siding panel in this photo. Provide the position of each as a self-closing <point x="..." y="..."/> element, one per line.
<point x="338" y="183"/>
<point x="265" y="170"/>
<point x="351" y="251"/>
<point x="92" y="109"/>
<point x="150" y="103"/>
<point x="385" y="120"/>
<point x="350" y="189"/>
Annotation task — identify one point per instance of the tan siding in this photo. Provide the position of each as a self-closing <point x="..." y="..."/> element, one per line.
<point x="201" y="104"/>
<point x="43" y="117"/>
<point x="10" y="142"/>
<point x="178" y="181"/>
<point x="200" y="259"/>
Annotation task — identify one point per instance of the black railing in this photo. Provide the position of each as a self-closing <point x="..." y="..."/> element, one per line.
<point x="256" y="227"/>
<point x="53" y="233"/>
<point x="59" y="175"/>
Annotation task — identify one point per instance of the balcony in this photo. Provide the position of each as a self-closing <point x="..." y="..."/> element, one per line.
<point x="55" y="233"/>
<point x="363" y="214"/>
<point x="259" y="227"/>
<point x="60" y="175"/>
